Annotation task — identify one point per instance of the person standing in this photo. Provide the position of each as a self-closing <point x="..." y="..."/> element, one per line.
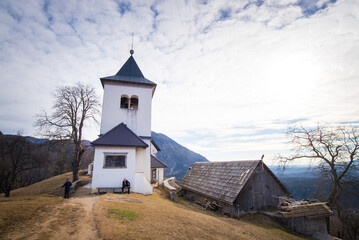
<point x="126" y="184"/>
<point x="67" y="186"/>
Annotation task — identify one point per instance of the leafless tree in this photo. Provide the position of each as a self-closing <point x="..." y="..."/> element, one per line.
<point x="333" y="153"/>
<point x="74" y="105"/>
<point x="15" y="158"/>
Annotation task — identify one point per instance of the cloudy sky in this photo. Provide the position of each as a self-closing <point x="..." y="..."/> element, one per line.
<point x="231" y="75"/>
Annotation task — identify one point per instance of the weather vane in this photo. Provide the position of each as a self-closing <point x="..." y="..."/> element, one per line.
<point x="132" y="51"/>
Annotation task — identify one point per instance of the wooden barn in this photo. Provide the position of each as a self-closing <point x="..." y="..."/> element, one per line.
<point x="236" y="187"/>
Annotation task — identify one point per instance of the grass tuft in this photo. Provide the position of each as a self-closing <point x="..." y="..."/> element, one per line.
<point x="121" y="214"/>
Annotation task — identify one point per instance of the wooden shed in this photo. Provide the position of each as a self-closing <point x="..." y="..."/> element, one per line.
<point x="236" y="186"/>
<point x="305" y="218"/>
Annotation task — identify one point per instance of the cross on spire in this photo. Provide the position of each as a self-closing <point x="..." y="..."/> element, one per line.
<point x="132" y="51"/>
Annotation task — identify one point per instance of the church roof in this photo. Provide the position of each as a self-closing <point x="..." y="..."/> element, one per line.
<point x="155" y="145"/>
<point x="222" y="181"/>
<point x="122" y="136"/>
<point x="129" y="73"/>
<point x="155" y="163"/>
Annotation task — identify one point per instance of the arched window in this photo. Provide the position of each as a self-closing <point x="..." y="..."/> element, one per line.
<point x="124" y="101"/>
<point x="134" y="102"/>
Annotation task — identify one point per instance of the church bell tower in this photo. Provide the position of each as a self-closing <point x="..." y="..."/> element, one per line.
<point x="128" y="99"/>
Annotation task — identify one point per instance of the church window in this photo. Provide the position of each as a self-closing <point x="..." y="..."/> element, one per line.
<point x="115" y="161"/>
<point x="129" y="103"/>
<point x="134" y="102"/>
<point x="124" y="101"/>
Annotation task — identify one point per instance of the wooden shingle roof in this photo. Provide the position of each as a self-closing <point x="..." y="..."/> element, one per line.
<point x="313" y="209"/>
<point x="219" y="180"/>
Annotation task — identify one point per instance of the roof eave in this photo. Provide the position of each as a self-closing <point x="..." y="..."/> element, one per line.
<point x="108" y="79"/>
<point x="218" y="199"/>
<point x="154" y="89"/>
<point x="130" y="83"/>
<point x="118" y="145"/>
<point x="155" y="145"/>
<point x="165" y="166"/>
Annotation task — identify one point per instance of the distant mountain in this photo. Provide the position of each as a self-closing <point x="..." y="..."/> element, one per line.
<point x="28" y="138"/>
<point x="294" y="172"/>
<point x="301" y="181"/>
<point x="43" y="140"/>
<point x="36" y="140"/>
<point x="177" y="157"/>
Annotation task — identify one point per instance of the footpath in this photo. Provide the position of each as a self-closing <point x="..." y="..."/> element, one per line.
<point x="72" y="219"/>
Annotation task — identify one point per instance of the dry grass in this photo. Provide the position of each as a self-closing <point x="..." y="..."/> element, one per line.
<point x="51" y="186"/>
<point x="15" y="210"/>
<point x="158" y="218"/>
<point x="27" y="202"/>
<point x="117" y="216"/>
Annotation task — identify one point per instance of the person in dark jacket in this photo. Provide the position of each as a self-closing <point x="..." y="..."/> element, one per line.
<point x="67" y="186"/>
<point x="126" y="184"/>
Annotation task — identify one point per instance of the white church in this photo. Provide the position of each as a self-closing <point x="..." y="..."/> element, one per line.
<point x="125" y="148"/>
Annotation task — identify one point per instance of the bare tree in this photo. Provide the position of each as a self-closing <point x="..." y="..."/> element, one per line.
<point x="15" y="158"/>
<point x="333" y="153"/>
<point x="74" y="105"/>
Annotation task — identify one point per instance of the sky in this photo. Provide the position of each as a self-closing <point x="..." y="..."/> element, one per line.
<point x="231" y="76"/>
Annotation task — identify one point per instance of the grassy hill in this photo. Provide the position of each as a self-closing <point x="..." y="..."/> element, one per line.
<point x="152" y="217"/>
<point x="51" y="186"/>
<point x="122" y="216"/>
<point x="26" y="202"/>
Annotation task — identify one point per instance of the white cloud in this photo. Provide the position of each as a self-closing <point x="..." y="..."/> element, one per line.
<point x="256" y="69"/>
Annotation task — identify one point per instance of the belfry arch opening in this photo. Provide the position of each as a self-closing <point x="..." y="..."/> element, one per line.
<point x="124" y="101"/>
<point x="134" y="102"/>
<point x="129" y="103"/>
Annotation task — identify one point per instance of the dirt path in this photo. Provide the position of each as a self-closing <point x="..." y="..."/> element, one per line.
<point x="73" y="219"/>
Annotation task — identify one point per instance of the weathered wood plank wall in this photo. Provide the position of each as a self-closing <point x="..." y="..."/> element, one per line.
<point x="262" y="192"/>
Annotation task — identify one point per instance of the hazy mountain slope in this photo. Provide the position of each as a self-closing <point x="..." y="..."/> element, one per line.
<point x="177" y="157"/>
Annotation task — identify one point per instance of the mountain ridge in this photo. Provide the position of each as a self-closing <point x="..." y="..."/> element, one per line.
<point x="177" y="157"/>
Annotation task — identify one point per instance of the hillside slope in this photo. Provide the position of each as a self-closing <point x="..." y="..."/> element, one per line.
<point x="177" y="157"/>
<point x="118" y="216"/>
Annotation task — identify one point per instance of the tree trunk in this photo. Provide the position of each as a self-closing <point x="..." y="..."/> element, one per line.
<point x="7" y="191"/>
<point x="76" y="163"/>
<point x="334" y="195"/>
<point x="75" y="171"/>
<point x="6" y="186"/>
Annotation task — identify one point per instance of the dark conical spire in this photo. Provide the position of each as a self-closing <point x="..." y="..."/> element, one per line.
<point x="130" y="69"/>
<point x="129" y="73"/>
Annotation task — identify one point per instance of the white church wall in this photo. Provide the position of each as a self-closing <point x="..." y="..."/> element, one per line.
<point x="138" y="120"/>
<point x="143" y="160"/>
<point x="142" y="184"/>
<point x="147" y="187"/>
<point x="138" y="186"/>
<point x="160" y="175"/>
<point x="113" y="177"/>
